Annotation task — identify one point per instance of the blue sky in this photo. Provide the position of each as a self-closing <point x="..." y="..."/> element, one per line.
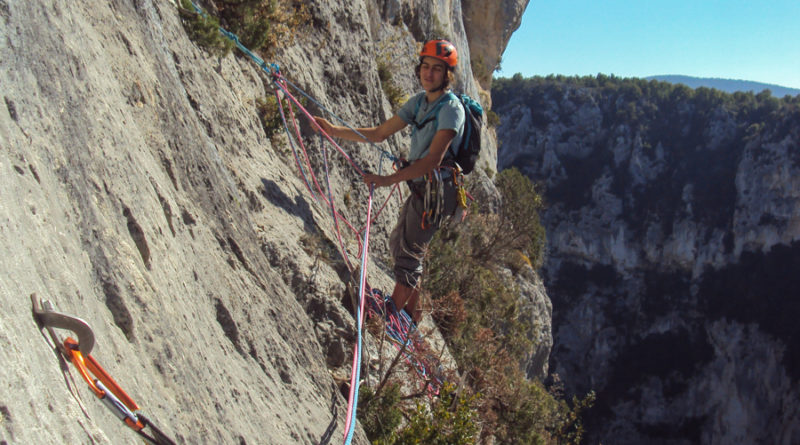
<point x="733" y="39"/>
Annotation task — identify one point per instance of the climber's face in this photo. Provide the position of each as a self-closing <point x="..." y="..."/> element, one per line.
<point x="432" y="73"/>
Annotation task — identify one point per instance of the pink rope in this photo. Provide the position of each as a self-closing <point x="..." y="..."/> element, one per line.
<point x="337" y="216"/>
<point x="316" y="125"/>
<point x="355" y="373"/>
<point x="363" y="248"/>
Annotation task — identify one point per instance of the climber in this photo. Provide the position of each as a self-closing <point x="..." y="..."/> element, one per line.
<point x="425" y="171"/>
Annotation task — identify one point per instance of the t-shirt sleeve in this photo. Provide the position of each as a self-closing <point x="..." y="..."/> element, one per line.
<point x="406" y="112"/>
<point x="451" y="116"/>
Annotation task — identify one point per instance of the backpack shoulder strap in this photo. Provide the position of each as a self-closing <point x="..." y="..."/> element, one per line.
<point x="451" y="151"/>
<point x="433" y="114"/>
<point x="419" y="104"/>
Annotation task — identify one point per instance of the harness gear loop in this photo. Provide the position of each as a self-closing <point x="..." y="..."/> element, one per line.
<point x="461" y="191"/>
<point x="433" y="196"/>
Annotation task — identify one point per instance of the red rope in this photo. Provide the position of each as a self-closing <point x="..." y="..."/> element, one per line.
<point x="363" y="248"/>
<point x="291" y="102"/>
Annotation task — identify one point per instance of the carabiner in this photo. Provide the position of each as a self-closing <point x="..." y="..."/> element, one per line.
<point x="104" y="387"/>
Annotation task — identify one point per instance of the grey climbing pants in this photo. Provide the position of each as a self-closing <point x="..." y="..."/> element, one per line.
<point x="408" y="239"/>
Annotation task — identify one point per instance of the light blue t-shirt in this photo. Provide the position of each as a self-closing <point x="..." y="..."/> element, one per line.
<point x="450" y="117"/>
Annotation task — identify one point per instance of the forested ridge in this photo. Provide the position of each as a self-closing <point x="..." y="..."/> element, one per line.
<point x="672" y="225"/>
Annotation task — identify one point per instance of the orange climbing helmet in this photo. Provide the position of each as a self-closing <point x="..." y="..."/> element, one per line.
<point x="440" y="49"/>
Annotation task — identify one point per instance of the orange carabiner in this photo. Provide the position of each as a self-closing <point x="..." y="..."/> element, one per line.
<point x="79" y="353"/>
<point x="104" y="386"/>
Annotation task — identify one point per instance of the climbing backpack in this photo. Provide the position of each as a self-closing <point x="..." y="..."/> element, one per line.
<point x="466" y="154"/>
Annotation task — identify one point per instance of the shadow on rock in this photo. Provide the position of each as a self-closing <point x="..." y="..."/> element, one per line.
<point x="297" y="206"/>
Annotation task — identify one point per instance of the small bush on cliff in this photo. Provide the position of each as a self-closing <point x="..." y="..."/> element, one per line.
<point x="492" y="119"/>
<point x="269" y="115"/>
<point x="387" y="52"/>
<point x="394" y="93"/>
<point x="494" y="239"/>
<point x="477" y="307"/>
<point x="380" y="414"/>
<point x="204" y="30"/>
<point x="448" y="419"/>
<point x="261" y="25"/>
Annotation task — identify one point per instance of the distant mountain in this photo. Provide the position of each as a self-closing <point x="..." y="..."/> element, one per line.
<point x="727" y="85"/>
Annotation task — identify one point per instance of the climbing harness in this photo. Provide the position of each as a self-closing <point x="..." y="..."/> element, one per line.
<point x="433" y="195"/>
<point x="433" y="200"/>
<point x="78" y="352"/>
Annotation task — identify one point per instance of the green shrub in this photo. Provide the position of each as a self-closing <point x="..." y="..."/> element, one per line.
<point x="394" y="93"/>
<point x="263" y="25"/>
<point x="492" y="118"/>
<point x="447" y="419"/>
<point x="450" y="419"/>
<point x="204" y="30"/>
<point x="481" y="70"/>
<point x="387" y="51"/>
<point x="519" y="226"/>
<point x="260" y="25"/>
<point x="477" y="309"/>
<point x="380" y="415"/>
<point x="269" y="115"/>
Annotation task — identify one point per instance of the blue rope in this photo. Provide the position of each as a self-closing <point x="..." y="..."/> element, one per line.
<point x="362" y="291"/>
<point x="340" y="120"/>
<point x="273" y="69"/>
<point x="351" y="428"/>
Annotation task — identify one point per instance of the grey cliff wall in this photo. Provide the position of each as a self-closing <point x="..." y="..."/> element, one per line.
<point x="671" y="262"/>
<point x="494" y="22"/>
<point x="140" y="192"/>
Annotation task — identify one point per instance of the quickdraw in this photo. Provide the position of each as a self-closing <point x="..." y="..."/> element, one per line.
<point x="433" y="196"/>
<point x="78" y="352"/>
<point x="461" y="191"/>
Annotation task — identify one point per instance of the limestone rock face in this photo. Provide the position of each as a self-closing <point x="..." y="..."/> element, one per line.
<point x="538" y="311"/>
<point x="672" y="250"/>
<point x="493" y="23"/>
<point x="141" y="193"/>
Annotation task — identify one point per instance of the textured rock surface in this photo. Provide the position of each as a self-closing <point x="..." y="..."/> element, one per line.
<point x="671" y="265"/>
<point x="140" y="192"/>
<point x="493" y="22"/>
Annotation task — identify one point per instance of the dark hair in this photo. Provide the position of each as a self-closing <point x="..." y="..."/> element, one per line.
<point x="449" y="78"/>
